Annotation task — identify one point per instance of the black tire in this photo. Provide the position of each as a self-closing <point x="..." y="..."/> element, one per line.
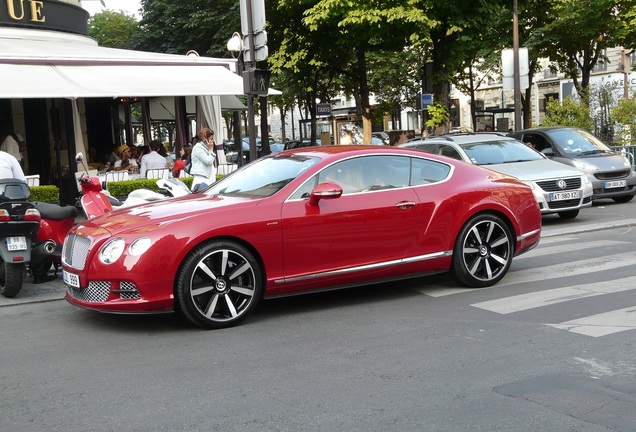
<point x="570" y="214"/>
<point x="11" y="276"/>
<point x="623" y="199"/>
<point x="483" y="251"/>
<point x="219" y="284"/>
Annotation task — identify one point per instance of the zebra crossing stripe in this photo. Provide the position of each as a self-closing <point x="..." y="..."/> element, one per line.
<point x="592" y="265"/>
<point x="539" y="299"/>
<point x="601" y="324"/>
<point x="543" y="249"/>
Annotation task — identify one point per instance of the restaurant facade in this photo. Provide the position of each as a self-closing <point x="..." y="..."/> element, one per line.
<point x="62" y="93"/>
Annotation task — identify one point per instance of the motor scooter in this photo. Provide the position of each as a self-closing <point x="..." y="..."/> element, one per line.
<point x="19" y="225"/>
<point x="56" y="221"/>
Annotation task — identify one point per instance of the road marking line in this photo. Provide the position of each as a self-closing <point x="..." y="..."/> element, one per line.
<point x="539" y="299"/>
<point x="601" y="324"/>
<point x="591" y="265"/>
<point x="561" y="248"/>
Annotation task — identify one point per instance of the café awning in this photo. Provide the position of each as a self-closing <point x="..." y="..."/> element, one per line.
<point x="46" y="64"/>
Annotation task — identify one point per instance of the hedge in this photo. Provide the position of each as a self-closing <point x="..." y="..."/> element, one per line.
<point x="45" y="193"/>
<point x="125" y="187"/>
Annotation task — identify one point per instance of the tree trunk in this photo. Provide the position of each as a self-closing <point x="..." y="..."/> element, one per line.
<point x="364" y="98"/>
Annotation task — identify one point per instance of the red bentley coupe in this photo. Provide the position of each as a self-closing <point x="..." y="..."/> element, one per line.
<point x="299" y="221"/>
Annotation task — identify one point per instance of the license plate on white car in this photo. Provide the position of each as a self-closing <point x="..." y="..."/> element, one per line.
<point x="615" y="184"/>
<point x="71" y="279"/>
<point x="16" y="243"/>
<point x="562" y="196"/>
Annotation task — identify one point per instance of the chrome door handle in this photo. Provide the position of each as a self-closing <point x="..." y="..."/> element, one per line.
<point x="405" y="204"/>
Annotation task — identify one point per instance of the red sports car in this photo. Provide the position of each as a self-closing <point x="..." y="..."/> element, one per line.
<point x="302" y="220"/>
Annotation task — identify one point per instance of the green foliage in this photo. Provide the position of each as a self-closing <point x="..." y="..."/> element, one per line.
<point x="113" y="29"/>
<point x="123" y="188"/>
<point x="625" y="114"/>
<point x="438" y="115"/>
<point x="45" y="193"/>
<point x="177" y="26"/>
<point x="569" y="113"/>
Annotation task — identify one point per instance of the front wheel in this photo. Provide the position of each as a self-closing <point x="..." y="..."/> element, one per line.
<point x="483" y="251"/>
<point x="219" y="284"/>
<point x="11" y="276"/>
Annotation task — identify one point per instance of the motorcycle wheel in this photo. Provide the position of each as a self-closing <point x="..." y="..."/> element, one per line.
<point x="11" y="276"/>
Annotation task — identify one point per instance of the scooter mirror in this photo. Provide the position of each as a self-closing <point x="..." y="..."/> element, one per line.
<point x="79" y="158"/>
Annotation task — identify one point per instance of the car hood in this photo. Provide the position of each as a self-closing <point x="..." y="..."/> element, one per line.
<point x="604" y="162"/>
<point x="184" y="210"/>
<point x="536" y="170"/>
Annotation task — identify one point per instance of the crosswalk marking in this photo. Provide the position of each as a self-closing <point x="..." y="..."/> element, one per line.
<point x="601" y="324"/>
<point x="598" y="325"/>
<point x="558" y="295"/>
<point x="561" y="248"/>
<point x="591" y="265"/>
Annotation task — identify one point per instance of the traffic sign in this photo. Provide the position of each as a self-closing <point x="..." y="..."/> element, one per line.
<point x="427" y="99"/>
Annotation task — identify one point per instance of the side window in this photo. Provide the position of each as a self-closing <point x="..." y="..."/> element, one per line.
<point x="305" y="190"/>
<point x="368" y="173"/>
<point x="446" y="150"/>
<point x="424" y="171"/>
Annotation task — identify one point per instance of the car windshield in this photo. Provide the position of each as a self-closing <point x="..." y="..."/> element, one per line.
<point x="506" y="150"/>
<point x="573" y="142"/>
<point x="262" y="178"/>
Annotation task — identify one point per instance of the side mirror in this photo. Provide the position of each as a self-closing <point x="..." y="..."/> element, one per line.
<point x="327" y="190"/>
<point x="548" y="151"/>
<point x="79" y="158"/>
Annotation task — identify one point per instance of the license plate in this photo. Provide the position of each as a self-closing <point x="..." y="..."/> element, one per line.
<point x="562" y="196"/>
<point x="16" y="243"/>
<point x="615" y="184"/>
<point x="71" y="279"/>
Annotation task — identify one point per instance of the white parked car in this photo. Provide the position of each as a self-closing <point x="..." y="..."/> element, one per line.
<point x="558" y="188"/>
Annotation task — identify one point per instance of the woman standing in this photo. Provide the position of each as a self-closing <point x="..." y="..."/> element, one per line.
<point x="203" y="160"/>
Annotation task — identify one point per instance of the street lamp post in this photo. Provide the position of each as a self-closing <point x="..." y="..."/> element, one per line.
<point x="517" y="68"/>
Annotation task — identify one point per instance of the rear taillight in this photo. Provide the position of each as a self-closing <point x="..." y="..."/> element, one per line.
<point x="32" y="215"/>
<point x="4" y="216"/>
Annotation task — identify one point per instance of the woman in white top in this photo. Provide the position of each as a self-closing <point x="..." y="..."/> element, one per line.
<point x="203" y="160"/>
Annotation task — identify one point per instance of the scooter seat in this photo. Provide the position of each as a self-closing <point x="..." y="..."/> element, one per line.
<point x="55" y="212"/>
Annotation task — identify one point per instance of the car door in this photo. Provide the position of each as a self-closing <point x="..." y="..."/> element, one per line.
<point x="360" y="234"/>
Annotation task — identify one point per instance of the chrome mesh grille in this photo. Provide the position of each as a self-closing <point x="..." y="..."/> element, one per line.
<point x="96" y="292"/>
<point x="75" y="251"/>
<point x="128" y="291"/>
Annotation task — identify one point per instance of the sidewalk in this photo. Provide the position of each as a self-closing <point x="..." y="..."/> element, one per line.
<point x="55" y="290"/>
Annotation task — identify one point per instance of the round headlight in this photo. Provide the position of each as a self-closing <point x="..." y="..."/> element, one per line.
<point x="112" y="250"/>
<point x="139" y="246"/>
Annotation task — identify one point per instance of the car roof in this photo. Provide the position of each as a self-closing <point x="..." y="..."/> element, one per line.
<point x="335" y="151"/>
<point x="459" y="138"/>
<point x="543" y="129"/>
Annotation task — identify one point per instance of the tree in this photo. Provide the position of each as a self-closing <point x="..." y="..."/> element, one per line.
<point x="625" y="114"/>
<point x="113" y="29"/>
<point x="578" y="35"/>
<point x="177" y="26"/>
<point x="361" y="27"/>
<point x="569" y="113"/>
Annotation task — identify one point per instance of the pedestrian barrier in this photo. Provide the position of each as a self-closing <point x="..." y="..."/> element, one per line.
<point x="629" y="151"/>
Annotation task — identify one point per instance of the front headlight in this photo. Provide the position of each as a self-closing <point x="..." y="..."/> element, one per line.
<point x="139" y="246"/>
<point x="112" y="250"/>
<point x="584" y="166"/>
<point x="626" y="162"/>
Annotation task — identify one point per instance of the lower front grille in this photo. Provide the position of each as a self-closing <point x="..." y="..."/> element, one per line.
<point x="96" y="292"/>
<point x="564" y="204"/>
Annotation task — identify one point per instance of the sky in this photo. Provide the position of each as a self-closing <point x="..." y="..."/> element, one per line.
<point x="129" y="6"/>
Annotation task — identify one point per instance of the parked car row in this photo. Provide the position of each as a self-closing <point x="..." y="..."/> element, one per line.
<point x="566" y="168"/>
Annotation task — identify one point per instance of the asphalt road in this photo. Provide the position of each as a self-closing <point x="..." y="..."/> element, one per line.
<point x="550" y="348"/>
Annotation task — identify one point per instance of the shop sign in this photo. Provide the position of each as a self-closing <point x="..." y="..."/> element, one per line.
<point x="45" y="15"/>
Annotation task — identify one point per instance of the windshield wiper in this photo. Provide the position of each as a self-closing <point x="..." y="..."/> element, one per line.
<point x="591" y="152"/>
<point x="518" y="160"/>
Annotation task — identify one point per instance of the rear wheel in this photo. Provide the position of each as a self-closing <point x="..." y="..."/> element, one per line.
<point x="623" y="199"/>
<point x="11" y="276"/>
<point x="483" y="251"/>
<point x="571" y="214"/>
<point x="219" y="284"/>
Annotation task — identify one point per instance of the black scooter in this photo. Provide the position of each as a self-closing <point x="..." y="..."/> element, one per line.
<point x="19" y="225"/>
